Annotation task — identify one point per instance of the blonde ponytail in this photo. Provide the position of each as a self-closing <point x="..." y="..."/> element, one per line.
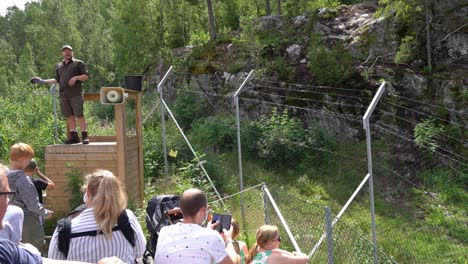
<point x="252" y="253"/>
<point x="108" y="199"/>
<point x="264" y="234"/>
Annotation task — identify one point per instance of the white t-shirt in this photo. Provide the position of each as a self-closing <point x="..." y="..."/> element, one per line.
<point x="12" y="224"/>
<point x="189" y="244"/>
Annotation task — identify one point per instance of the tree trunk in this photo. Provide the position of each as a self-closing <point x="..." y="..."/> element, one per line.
<point x="428" y="39"/>
<point x="268" y="8"/>
<point x="212" y="21"/>
<point x="279" y="7"/>
<point x="161" y="22"/>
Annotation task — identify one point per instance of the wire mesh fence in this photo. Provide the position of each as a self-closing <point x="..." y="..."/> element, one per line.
<point x="309" y="140"/>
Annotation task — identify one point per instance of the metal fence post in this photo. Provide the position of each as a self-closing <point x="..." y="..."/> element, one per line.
<point x="163" y="123"/>
<point x="328" y="230"/>
<point x="265" y="205"/>
<point x="53" y="92"/>
<point x="239" y="152"/>
<point x="366" y="125"/>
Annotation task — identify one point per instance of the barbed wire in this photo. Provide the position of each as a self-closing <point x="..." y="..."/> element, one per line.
<point x="410" y="138"/>
<point x="305" y="99"/>
<point x="310" y="86"/>
<point x="350" y="117"/>
<point x="329" y="94"/>
<point x="428" y="104"/>
<point x="428" y="115"/>
<point x="385" y="113"/>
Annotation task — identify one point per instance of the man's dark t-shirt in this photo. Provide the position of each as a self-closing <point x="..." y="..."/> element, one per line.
<point x="11" y="253"/>
<point x="63" y="74"/>
<point x="40" y="186"/>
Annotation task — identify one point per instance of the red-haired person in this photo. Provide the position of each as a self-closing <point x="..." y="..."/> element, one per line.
<point x="26" y="195"/>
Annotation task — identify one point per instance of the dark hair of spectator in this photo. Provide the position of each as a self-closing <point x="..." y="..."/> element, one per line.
<point x="31" y="166"/>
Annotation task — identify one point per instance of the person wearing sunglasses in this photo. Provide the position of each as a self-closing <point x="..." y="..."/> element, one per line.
<point x="266" y="249"/>
<point x="12" y="220"/>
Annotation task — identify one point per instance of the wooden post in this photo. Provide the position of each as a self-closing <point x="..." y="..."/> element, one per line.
<point x="120" y="139"/>
<point x="139" y="129"/>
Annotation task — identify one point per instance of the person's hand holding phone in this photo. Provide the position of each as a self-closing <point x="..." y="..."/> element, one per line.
<point x="227" y="234"/>
<point x="213" y="225"/>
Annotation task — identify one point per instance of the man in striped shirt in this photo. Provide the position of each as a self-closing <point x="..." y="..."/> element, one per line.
<point x="188" y="242"/>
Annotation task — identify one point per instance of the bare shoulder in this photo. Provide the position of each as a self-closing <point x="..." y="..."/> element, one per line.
<point x="286" y="257"/>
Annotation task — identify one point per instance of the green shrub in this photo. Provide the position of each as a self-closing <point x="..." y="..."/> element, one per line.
<point x="236" y="67"/>
<point x="153" y="153"/>
<point x="74" y="185"/>
<point x="331" y="67"/>
<point x="27" y="116"/>
<point x="283" y="137"/>
<point x="405" y="50"/>
<point x="280" y="138"/>
<point x="426" y="134"/>
<point x="282" y="68"/>
<point x="188" y="108"/>
<point x="218" y="133"/>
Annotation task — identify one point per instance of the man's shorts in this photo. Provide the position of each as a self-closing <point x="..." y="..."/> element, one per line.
<point x="72" y="106"/>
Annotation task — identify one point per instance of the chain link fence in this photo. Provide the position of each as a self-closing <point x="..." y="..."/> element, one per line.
<point x="308" y="142"/>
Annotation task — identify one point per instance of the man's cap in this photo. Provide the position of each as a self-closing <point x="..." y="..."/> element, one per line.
<point x="67" y="47"/>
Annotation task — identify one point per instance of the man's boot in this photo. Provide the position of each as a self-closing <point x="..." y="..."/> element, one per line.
<point x="84" y="137"/>
<point x="73" y="138"/>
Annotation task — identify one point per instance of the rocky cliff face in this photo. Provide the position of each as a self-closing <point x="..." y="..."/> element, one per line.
<point x="373" y="42"/>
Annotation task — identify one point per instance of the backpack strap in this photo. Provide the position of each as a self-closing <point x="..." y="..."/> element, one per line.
<point x="65" y="234"/>
<point x="126" y="228"/>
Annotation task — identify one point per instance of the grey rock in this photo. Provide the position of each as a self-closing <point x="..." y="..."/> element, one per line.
<point x="300" y="21"/>
<point x="271" y="22"/>
<point x="416" y="83"/>
<point x="293" y="52"/>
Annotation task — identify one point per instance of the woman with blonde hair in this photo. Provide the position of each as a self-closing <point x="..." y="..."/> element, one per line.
<point x="104" y="229"/>
<point x="266" y="249"/>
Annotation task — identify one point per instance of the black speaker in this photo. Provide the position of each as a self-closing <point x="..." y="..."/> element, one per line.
<point x="133" y="82"/>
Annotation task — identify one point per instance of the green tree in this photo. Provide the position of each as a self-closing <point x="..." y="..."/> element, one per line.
<point x="98" y="53"/>
<point x="26" y="63"/>
<point x="133" y="28"/>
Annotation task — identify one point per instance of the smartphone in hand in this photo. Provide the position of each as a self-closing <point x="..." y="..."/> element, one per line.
<point x="224" y="222"/>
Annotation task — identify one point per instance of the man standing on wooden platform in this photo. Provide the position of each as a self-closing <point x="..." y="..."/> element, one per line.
<point x="70" y="74"/>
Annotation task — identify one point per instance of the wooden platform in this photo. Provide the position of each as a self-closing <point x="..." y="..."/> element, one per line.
<point x="120" y="153"/>
<point x="60" y="159"/>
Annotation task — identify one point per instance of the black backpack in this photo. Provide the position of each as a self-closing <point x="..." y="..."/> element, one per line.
<point x="64" y="231"/>
<point x="157" y="218"/>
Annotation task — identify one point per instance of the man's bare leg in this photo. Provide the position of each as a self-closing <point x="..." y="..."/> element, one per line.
<point x="83" y="127"/>
<point x="71" y="123"/>
<point x="82" y="122"/>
